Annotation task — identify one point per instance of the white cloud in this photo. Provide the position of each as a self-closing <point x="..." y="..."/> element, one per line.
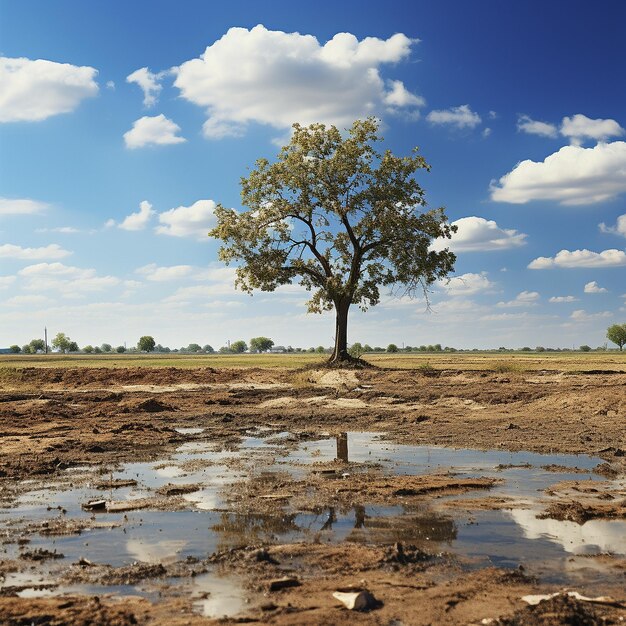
<point x="580" y="258"/>
<point x="219" y="281"/>
<point x="486" y="132"/>
<point x="524" y="298"/>
<point x="579" y="127"/>
<point x="67" y="280"/>
<point x="110" y="84"/>
<point x="188" y="221"/>
<point x="64" y="230"/>
<point x="160" y="274"/>
<point x="149" y="84"/>
<point x="30" y="300"/>
<point x="571" y="176"/>
<point x="593" y="287"/>
<point x="467" y="284"/>
<point x="533" y="127"/>
<point x="581" y="315"/>
<point x="561" y="299"/>
<point x="476" y="234"/>
<point x="157" y="130"/>
<point x="52" y="251"/>
<point x="6" y="281"/>
<point x="136" y="221"/>
<point x="35" y="90"/>
<point x="277" y="78"/>
<point x="618" y="229"/>
<point x="461" y="117"/>
<point x="21" y="206"/>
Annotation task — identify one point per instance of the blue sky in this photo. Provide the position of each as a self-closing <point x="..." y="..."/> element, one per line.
<point x="123" y="123"/>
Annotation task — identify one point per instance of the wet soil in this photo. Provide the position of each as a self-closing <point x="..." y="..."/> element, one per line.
<point x="396" y="533"/>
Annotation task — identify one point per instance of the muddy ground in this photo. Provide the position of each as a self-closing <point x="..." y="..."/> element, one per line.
<point x="53" y="420"/>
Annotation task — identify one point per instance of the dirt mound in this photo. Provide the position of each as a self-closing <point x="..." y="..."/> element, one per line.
<point x="561" y="609"/>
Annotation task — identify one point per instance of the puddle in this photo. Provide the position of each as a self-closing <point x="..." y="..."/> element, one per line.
<point x="203" y="523"/>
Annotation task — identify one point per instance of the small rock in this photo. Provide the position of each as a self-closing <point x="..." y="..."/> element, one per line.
<point x="94" y="505"/>
<point x="357" y="599"/>
<point x="283" y="583"/>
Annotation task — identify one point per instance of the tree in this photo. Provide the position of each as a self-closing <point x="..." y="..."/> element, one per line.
<point x="392" y="347"/>
<point x="62" y="343"/>
<point x="15" y="349"/>
<point x="260" y="344"/>
<point x="238" y="346"/>
<point x="26" y="349"/>
<point x="356" y="350"/>
<point x="36" y="345"/>
<point x="617" y="334"/>
<point x="339" y="217"/>
<point x="120" y="349"/>
<point x="146" y="343"/>
<point x="208" y="349"/>
<point x="585" y="348"/>
<point x="106" y="347"/>
<point x="194" y="347"/>
<point x="73" y="347"/>
<point x="88" y="349"/>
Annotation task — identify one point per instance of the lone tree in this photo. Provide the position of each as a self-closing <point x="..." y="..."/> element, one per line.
<point x="260" y="344"/>
<point x="61" y="342"/>
<point x="146" y="343"/>
<point x="341" y="218"/>
<point x="617" y="334"/>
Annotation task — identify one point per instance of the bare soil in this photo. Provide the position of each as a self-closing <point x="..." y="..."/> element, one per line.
<point x="54" y="419"/>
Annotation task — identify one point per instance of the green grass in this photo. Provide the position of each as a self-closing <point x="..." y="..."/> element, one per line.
<point x="467" y="361"/>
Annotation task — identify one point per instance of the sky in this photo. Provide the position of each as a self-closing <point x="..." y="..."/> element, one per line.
<point x="123" y="124"/>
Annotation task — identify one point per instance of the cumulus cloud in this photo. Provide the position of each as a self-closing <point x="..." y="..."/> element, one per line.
<point x="571" y="176"/>
<point x="581" y="315"/>
<point x="476" y="234"/>
<point x="188" y="221"/>
<point x="21" y="206"/>
<point x="33" y="90"/>
<point x="618" y="229"/>
<point x="561" y="299"/>
<point x="278" y="78"/>
<point x="161" y="274"/>
<point x="593" y="287"/>
<point x="533" y="127"/>
<point x="580" y="258"/>
<point x="52" y="251"/>
<point x="580" y="127"/>
<point x="135" y="221"/>
<point x="148" y="83"/>
<point x="68" y="280"/>
<point x="157" y="130"/>
<point x="524" y="298"/>
<point x="467" y="284"/>
<point x="461" y="117"/>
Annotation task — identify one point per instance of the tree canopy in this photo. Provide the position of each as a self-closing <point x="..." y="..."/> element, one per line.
<point x="63" y="343"/>
<point x="146" y="343"/>
<point x="260" y="344"/>
<point x="617" y="334"/>
<point x="338" y="216"/>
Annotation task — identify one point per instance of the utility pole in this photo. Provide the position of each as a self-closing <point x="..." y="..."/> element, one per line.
<point x="45" y="334"/>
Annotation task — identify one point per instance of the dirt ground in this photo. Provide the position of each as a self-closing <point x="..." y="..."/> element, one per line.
<point x="54" y="419"/>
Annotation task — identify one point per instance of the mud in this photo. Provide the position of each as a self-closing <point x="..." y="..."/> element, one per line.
<point x="285" y="507"/>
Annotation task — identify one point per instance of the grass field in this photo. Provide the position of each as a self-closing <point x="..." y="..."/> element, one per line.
<point x="495" y="361"/>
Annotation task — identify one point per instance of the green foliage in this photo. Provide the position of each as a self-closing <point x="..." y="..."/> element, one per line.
<point x="260" y="344"/>
<point x="367" y="348"/>
<point x="37" y="345"/>
<point x="193" y="347"/>
<point x="62" y="343"/>
<point x="340" y="218"/>
<point x="208" y="349"/>
<point x="15" y="349"/>
<point x="120" y="349"/>
<point x="106" y="347"/>
<point x="617" y="334"/>
<point x="88" y="349"/>
<point x="26" y="349"/>
<point x="73" y="347"/>
<point x="356" y="350"/>
<point x="392" y="348"/>
<point x="146" y="343"/>
<point x="237" y="347"/>
<point x="585" y="348"/>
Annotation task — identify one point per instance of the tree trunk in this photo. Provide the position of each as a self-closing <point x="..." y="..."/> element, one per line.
<point x="340" y="353"/>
